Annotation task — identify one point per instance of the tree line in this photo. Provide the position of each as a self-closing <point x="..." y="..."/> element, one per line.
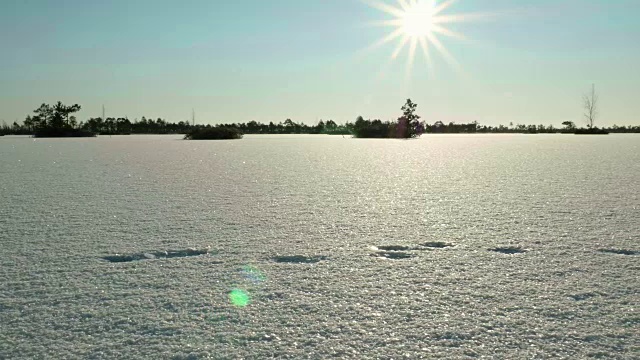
<point x="58" y="120"/>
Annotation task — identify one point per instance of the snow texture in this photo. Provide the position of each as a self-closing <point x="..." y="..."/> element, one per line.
<point x="293" y="222"/>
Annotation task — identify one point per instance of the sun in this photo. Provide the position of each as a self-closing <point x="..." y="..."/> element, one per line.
<point x="419" y="24"/>
<point x="417" y="20"/>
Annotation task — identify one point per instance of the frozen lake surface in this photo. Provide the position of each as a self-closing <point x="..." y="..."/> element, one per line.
<point x="453" y="246"/>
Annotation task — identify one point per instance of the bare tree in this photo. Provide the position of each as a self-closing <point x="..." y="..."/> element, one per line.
<point x="590" y="104"/>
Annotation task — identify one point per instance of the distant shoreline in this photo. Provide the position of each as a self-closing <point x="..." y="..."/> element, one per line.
<point x="300" y="129"/>
<point x="56" y="121"/>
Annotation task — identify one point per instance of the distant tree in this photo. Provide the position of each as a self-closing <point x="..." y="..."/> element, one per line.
<point x="43" y="115"/>
<point x="95" y="125"/>
<point x="123" y="126"/>
<point x="289" y="126"/>
<point x="252" y="127"/>
<point x="110" y="126"/>
<point x="61" y="113"/>
<point x="409" y="122"/>
<point x="590" y="104"/>
<point x="569" y="125"/>
<point x="409" y="111"/>
<point x="29" y="123"/>
<point x="438" y="127"/>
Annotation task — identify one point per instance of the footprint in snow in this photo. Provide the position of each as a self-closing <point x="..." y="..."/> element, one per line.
<point x="620" y="251"/>
<point x="510" y="250"/>
<point x="393" y="255"/>
<point x="300" y="259"/>
<point x="155" y="255"/>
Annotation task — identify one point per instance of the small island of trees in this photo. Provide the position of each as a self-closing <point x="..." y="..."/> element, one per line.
<point x="214" y="133"/>
<point x="56" y="121"/>
<point x="407" y="126"/>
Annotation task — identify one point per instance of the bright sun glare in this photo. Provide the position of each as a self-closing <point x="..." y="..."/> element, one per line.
<point x="417" y="20"/>
<point x="419" y="23"/>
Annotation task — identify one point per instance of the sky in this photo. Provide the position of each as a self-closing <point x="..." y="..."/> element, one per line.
<point x="240" y="60"/>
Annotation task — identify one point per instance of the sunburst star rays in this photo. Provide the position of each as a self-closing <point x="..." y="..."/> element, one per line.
<point x="417" y="26"/>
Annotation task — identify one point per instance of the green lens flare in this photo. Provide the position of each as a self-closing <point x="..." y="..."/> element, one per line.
<point x="239" y="298"/>
<point x="253" y="274"/>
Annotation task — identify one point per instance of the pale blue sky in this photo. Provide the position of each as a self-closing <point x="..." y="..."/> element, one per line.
<point x="242" y="60"/>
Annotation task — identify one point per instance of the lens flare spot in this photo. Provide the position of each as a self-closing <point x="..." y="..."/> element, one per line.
<point x="239" y="298"/>
<point x="253" y="274"/>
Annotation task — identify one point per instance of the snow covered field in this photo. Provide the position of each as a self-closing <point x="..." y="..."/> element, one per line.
<point x="462" y="247"/>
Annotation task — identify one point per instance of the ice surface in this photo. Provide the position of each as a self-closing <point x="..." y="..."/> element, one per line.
<point x="563" y="199"/>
